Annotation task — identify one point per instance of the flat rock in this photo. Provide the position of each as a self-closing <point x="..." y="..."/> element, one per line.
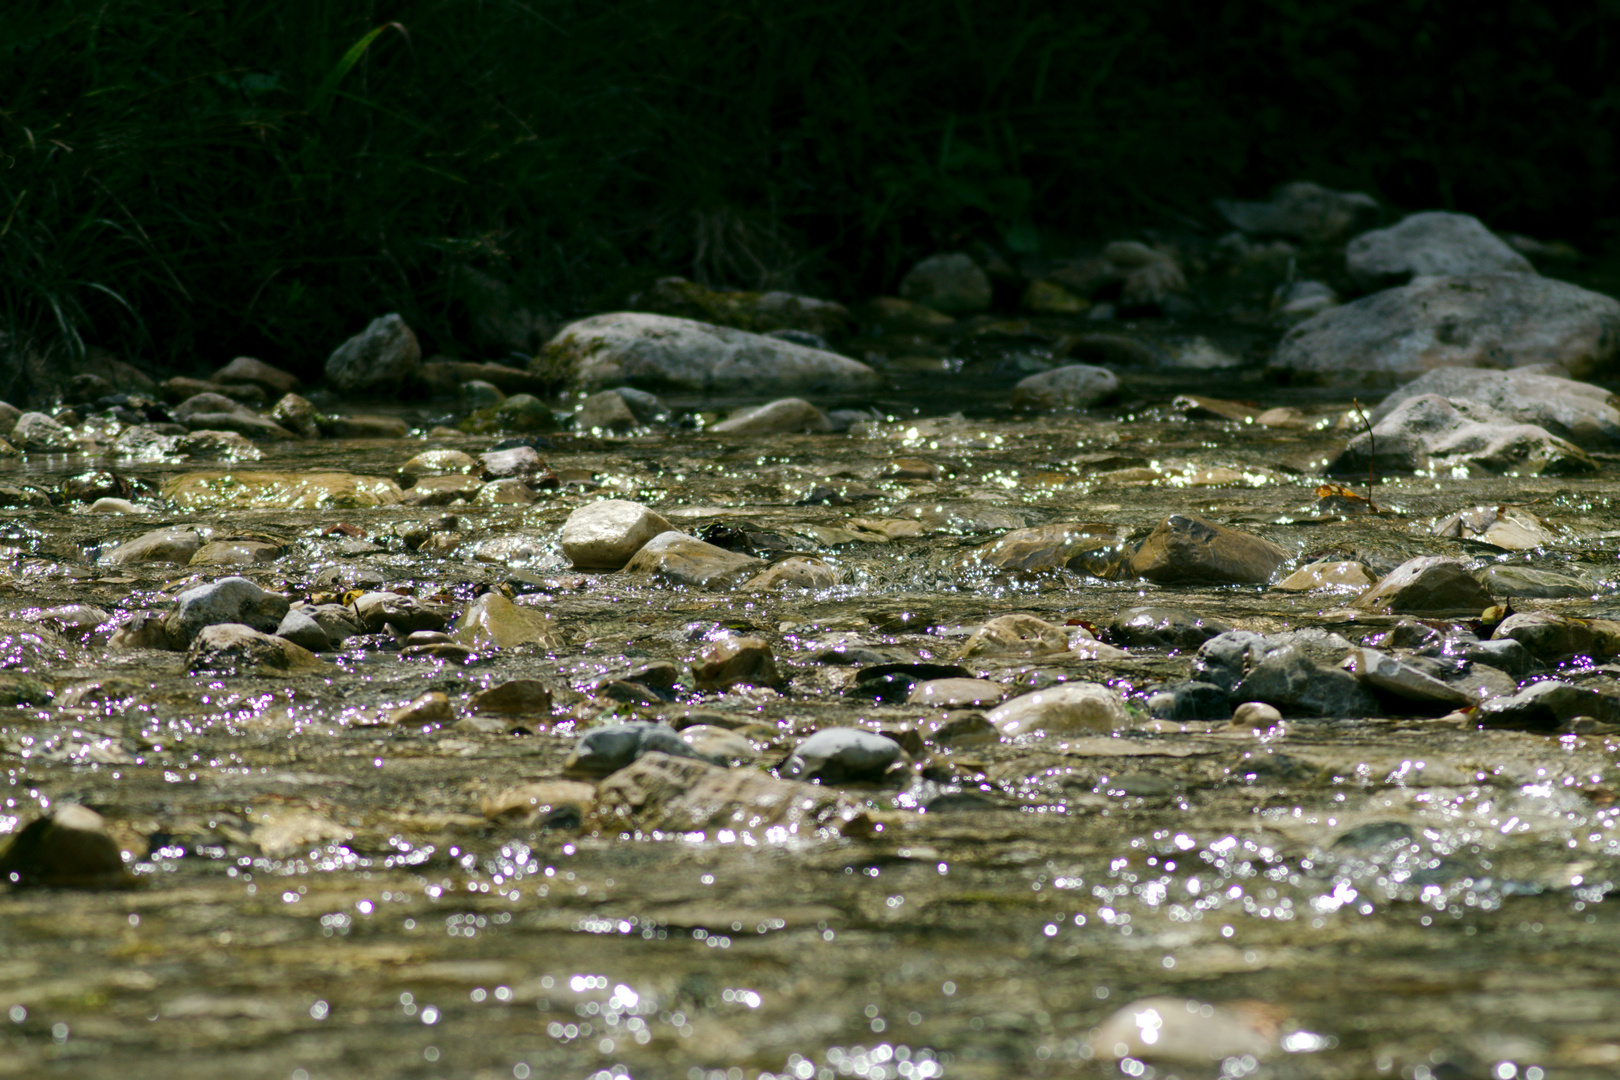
<point x="659" y="351"/>
<point x="1546" y="706"/>
<point x="279" y="491"/>
<point x="1432" y="435"/>
<point x="493" y="621"/>
<point x="442" y="490"/>
<point x="1479" y="320"/>
<point x="233" y="648"/>
<point x="1328" y="575"/>
<point x="382" y="610"/>
<point x="1434" y="242"/>
<point x="679" y="559"/>
<point x="1427" y="585"/>
<point x="1581" y="412"/>
<point x="1073" y="386"/>
<point x="605" y="535"/>
<point x="777" y="417"/>
<point x="1507" y="527"/>
<point x="666" y="794"/>
<point x="956" y="693"/>
<point x="382" y="358"/>
<point x="228" y="600"/>
<point x="1067" y="709"/>
<point x="515" y="697"/>
<point x="439" y="463"/>
<point x="843" y="755"/>
<point x="160" y="545"/>
<point x="1015" y="635"/>
<point x="797" y="572"/>
<point x="1507" y="579"/>
<point x="1186" y="549"/>
<point x="555" y="803"/>
<point x="736" y="661"/>
<point x="1386" y="673"/>
<point x="236" y="553"/>
<point x="245" y="369"/>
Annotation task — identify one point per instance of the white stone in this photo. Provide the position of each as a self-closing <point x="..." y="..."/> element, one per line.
<point x="604" y="535"/>
<point x="1069" y="709"/>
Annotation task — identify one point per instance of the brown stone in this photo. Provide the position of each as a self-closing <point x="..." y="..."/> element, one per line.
<point x="1186" y="549"/>
<point x="1430" y="585"/>
<point x="736" y="661"/>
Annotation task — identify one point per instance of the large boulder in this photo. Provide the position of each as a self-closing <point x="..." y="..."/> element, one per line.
<point x="663" y="352"/>
<point x="381" y="358"/>
<point x="1580" y="412"/>
<point x="1429" y="434"/>
<point x="1476" y="320"/>
<point x="1426" y="244"/>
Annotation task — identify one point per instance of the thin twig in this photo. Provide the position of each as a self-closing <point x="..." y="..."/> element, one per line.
<point x="1372" y="452"/>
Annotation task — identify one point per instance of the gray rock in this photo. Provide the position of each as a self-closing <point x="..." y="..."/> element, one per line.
<point x="1545" y="706"/>
<point x="518" y="461"/>
<point x="1300" y="211"/>
<point x="1073" y="386"/>
<point x="9" y="415"/>
<point x="160" y="545"/>
<point x="1429" y="434"/>
<point x="249" y="425"/>
<point x="777" y="417"/>
<point x="237" y="649"/>
<point x="648" y="408"/>
<point x="680" y="559"/>
<point x="1189" y="701"/>
<point x="1428" y="585"/>
<point x="1287" y="679"/>
<point x="1506" y="579"/>
<point x="605" y="535"/>
<point x="1480" y="320"/>
<point x="1429" y="243"/>
<point x="1553" y="638"/>
<point x="659" y="351"/>
<point x="1224" y="659"/>
<point x="338" y="621"/>
<point x="41" y="434"/>
<point x="950" y="283"/>
<point x="1382" y="672"/>
<point x="1505" y="527"/>
<point x="389" y="610"/>
<point x="228" y="600"/>
<point x="1504" y="654"/>
<point x="608" y="749"/>
<point x="209" y="404"/>
<point x="606" y="411"/>
<point x="1580" y="412"/>
<point x="524" y="413"/>
<point x="382" y="358"/>
<point x="301" y="628"/>
<point x="1186" y="549"/>
<point x="1161" y="627"/>
<point x="843" y="755"/>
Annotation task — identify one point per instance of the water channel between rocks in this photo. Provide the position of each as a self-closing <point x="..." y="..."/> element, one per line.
<point x="324" y="895"/>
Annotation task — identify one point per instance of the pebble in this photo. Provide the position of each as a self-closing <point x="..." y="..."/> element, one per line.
<point x="956" y="693"/>
<point x="438" y="463"/>
<point x="442" y="490"/>
<point x="228" y="600"/>
<point x="797" y="572"/>
<point x="432" y="707"/>
<point x="843" y="755"/>
<point x="736" y="661"/>
<point x="1256" y="714"/>
<point x="109" y="505"/>
<point x="604" y="535"/>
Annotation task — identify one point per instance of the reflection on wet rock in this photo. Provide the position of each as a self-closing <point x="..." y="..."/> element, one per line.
<point x="679" y="559"/>
<point x="1067" y="709"/>
<point x="1186" y="549"/>
<point x="660" y="793"/>
<point x="236" y="553"/>
<point x="604" y="535"/>
<point x="228" y="600"/>
<point x="736" y="661"/>
<point x="603" y="750"/>
<point x="237" y="649"/>
<point x="844" y="755"/>
<point x="776" y="417"/>
<point x="279" y="491"/>
<point x="1328" y="575"/>
<point x="1163" y="627"/>
<point x="1428" y="585"/>
<point x="1552" y="638"/>
<point x="494" y="621"/>
<point x="1186" y="1032"/>
<point x="161" y="545"/>
<point x="67" y="849"/>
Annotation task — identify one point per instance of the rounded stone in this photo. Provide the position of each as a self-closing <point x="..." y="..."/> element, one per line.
<point x="843" y="755"/>
<point x="951" y="283"/>
<point x="604" y="535"/>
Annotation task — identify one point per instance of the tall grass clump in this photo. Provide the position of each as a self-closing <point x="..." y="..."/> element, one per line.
<point x="181" y="183"/>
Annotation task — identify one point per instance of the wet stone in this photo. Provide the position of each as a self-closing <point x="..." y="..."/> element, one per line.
<point x="1066" y="709"/>
<point x="1048" y="547"/>
<point x="736" y="661"/>
<point x="143" y="630"/>
<point x="1186" y="549"/>
<point x="604" y="535"/>
<point x="604" y="411"/>
<point x="1073" y="386"/>
<point x="493" y="621"/>
<point x="1427" y="585"/>
<point x="67" y="849"/>
<point x="383" y="358"/>
<point x="442" y="490"/>
<point x="798" y="572"/>
<point x="423" y="710"/>
<point x="1505" y="579"/>
<point x="1389" y="675"/>
<point x="1297" y="686"/>
<point x="679" y="559"/>
<point x="1552" y="638"/>
<point x="1577" y="411"/>
<point x="1329" y="575"/>
<point x="229" y="600"/>
<point x="720" y="744"/>
<point x="956" y="693"/>
<point x="1256" y="714"/>
<point x="518" y="461"/>
<point x="1015" y="635"/>
<point x="438" y="463"/>
<point x="1546" y="706"/>
<point x="382" y="610"/>
<point x="776" y="417"/>
<point x="300" y="627"/>
<point x="543" y="803"/>
<point x="515" y="697"/>
<point x="1183" y="1031"/>
<point x="38" y="433"/>
<point x="1190" y="700"/>
<point x="1162" y="627"/>
<point x="663" y="793"/>
<point x="279" y="491"/>
<point x="233" y="648"/>
<point x="235" y="553"/>
<point x="843" y="756"/>
<point x="604" y="750"/>
<point x="161" y="545"/>
<point x="298" y="415"/>
<point x="246" y="369"/>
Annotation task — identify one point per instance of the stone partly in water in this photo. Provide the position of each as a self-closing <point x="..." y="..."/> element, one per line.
<point x="236" y="553"/>
<point x="228" y="600"/>
<point x="1547" y="706"/>
<point x="1507" y="527"/>
<point x="1186" y="549"/>
<point x="1015" y="635"/>
<point x="279" y="491"/>
<point x="301" y="628"/>
<point x="736" y="661"/>
<point x="660" y="792"/>
<point x="161" y="545"/>
<point x="658" y="351"/>
<point x="1184" y="1032"/>
<point x="38" y="433"/>
<point x="1552" y="638"/>
<point x="1068" y="709"/>
<point x="1161" y="627"/>
<point x="1580" y="412"/>
<point x="383" y="358"/>
<point x="543" y="803"/>
<point x="1430" y="243"/>
<point x="1387" y="674"/>
<point x="1328" y="575"/>
<point x="66" y="849"/>
<point x="1298" y="686"/>
<point x="1073" y="386"/>
<point x="1427" y="585"/>
<point x="777" y="417"/>
<point x="844" y="755"/>
<point x="1429" y="434"/>
<point x="232" y="648"/>
<point x="679" y="559"/>
<point x="603" y="750"/>
<point x="1092" y="548"/>
<point x="515" y="697"/>
<point x="605" y="535"/>
<point x="798" y="572"/>
<point x="1301" y="210"/>
<point x="493" y="621"/>
<point x="1530" y="583"/>
<point x="1480" y="320"/>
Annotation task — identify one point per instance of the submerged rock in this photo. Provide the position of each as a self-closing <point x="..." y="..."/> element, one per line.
<point x="279" y="491"/>
<point x="160" y="545"/>
<point x="1161" y="627"/>
<point x="603" y="750"/>
<point x="493" y="621"/>
<point x="663" y="793"/>
<point x="736" y="661"/>
<point x="1074" y="546"/>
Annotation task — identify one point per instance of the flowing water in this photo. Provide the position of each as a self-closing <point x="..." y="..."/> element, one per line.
<point x="320" y="895"/>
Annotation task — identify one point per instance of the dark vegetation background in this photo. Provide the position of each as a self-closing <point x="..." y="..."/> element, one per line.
<point x="183" y="182"/>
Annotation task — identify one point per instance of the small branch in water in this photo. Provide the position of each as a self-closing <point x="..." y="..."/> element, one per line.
<point x="1372" y="452"/>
